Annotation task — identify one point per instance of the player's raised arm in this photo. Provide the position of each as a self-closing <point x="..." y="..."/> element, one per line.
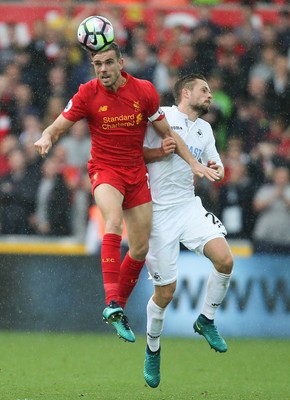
<point x="164" y="130"/>
<point x="168" y="146"/>
<point x="51" y="135"/>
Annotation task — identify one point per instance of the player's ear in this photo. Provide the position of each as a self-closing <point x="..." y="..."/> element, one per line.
<point x="121" y="62"/>
<point x="186" y="92"/>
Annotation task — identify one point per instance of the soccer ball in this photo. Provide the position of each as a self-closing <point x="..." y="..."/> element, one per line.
<point x="95" y="33"/>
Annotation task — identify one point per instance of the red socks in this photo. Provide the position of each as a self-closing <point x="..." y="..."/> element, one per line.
<point x="129" y="274"/>
<point x="111" y="260"/>
<point x="119" y="282"/>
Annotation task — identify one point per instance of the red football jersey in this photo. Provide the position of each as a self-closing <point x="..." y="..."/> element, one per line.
<point x="117" y="121"/>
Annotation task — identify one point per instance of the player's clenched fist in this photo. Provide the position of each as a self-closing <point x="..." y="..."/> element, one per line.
<point x="168" y="146"/>
<point x="43" y="145"/>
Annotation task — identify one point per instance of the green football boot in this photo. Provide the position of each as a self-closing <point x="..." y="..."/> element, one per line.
<point x="152" y="367"/>
<point x="114" y="315"/>
<point x="207" y="328"/>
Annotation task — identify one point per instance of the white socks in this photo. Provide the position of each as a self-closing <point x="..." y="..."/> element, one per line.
<point x="155" y="322"/>
<point x="217" y="286"/>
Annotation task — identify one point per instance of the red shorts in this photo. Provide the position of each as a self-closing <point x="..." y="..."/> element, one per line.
<point x="132" y="182"/>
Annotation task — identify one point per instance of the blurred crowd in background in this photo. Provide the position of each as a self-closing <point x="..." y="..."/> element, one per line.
<point x="248" y="71"/>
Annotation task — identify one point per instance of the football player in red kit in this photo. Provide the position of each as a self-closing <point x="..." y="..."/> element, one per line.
<point x="117" y="108"/>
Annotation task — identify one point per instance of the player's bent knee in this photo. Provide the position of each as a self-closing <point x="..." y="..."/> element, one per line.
<point x="226" y="265"/>
<point x="114" y="225"/>
<point x="167" y="294"/>
<point x="139" y="252"/>
<point x="164" y="294"/>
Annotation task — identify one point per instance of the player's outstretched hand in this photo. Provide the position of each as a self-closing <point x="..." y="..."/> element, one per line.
<point x="43" y="145"/>
<point x="220" y="170"/>
<point x="205" y="172"/>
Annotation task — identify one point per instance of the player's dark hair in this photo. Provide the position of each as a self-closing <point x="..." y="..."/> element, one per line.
<point x="187" y="81"/>
<point x="113" y="46"/>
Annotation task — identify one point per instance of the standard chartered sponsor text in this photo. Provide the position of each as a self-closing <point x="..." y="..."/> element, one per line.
<point x="118" y="125"/>
<point x="121" y="121"/>
<point x="118" y="118"/>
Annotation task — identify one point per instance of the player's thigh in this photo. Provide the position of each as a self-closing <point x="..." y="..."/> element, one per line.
<point x="199" y="226"/>
<point x="138" y="224"/>
<point x="109" y="200"/>
<point x="218" y="251"/>
<point x="164" y="247"/>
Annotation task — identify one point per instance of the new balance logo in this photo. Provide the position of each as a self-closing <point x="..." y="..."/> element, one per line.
<point x="103" y="108"/>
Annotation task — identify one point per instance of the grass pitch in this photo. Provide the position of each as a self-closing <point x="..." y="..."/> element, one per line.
<point x="39" y="366"/>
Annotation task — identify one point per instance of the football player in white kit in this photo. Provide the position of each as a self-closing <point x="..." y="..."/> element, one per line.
<point x="179" y="217"/>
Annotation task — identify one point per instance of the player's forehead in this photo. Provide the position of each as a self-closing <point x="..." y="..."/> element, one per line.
<point x="104" y="56"/>
<point x="201" y="84"/>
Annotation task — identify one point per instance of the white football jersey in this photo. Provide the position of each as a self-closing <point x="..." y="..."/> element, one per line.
<point x="171" y="179"/>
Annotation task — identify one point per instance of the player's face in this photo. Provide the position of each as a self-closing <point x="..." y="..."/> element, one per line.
<point x="108" y="69"/>
<point x="200" y="97"/>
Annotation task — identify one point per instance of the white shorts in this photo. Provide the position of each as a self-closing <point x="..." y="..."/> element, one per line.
<point x="190" y="224"/>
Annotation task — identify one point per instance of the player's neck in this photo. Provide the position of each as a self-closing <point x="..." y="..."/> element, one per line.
<point x="123" y="81"/>
<point x="191" y="114"/>
<point x="119" y="83"/>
